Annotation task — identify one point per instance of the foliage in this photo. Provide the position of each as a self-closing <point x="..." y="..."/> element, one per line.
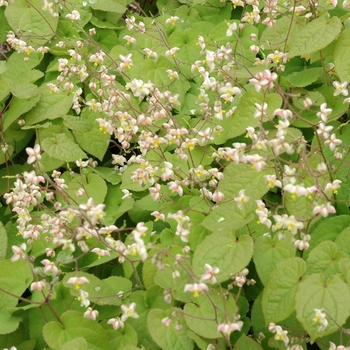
<point x="175" y="178"/>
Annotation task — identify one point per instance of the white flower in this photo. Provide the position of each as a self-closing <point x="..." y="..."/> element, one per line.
<point x="129" y="311"/>
<point x="324" y="112"/>
<point x="340" y="88"/>
<point x="320" y="318"/>
<point x="241" y="199"/>
<point x="231" y="28"/>
<point x="196" y="288"/>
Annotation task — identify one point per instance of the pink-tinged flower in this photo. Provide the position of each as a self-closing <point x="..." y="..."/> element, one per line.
<point x="324" y="209"/>
<point x="129" y="39"/>
<point x="228" y="328"/>
<point x="77" y="281"/>
<point x="218" y="196"/>
<point x="263" y="80"/>
<point x="210" y="274"/>
<point x="50" y="267"/>
<point x="116" y="323"/>
<point x="340" y="88"/>
<point x="324" y="130"/>
<point x="174" y="186"/>
<point x="38" y="285"/>
<point x="92" y="314"/>
<point x="74" y="16"/>
<point x="166" y="321"/>
<point x="19" y="252"/>
<point x="129" y="311"/>
<point x="33" y="153"/>
<point x="196" y="288"/>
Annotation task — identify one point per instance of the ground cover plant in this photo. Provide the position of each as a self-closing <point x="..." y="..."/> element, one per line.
<point x="175" y="177"/>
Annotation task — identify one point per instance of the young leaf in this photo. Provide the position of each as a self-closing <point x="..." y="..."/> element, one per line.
<point x="63" y="148"/>
<point x="32" y="19"/>
<point x="121" y="337"/>
<point x="279" y="294"/>
<point x="246" y="343"/>
<point x="268" y="252"/>
<point x="203" y="318"/>
<point x="15" y="277"/>
<point x="316" y="35"/>
<point x="3" y="242"/>
<point x="341" y="57"/>
<point x="343" y="241"/>
<point x="330" y="295"/>
<point x="78" y="343"/>
<point x="224" y="251"/>
<point x="168" y="337"/>
<point x="74" y="325"/>
<point x="327" y="229"/>
<point x="8" y="323"/>
<point x="324" y="258"/>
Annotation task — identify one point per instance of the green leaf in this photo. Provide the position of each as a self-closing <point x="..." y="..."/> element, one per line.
<point x="24" y="90"/>
<point x="121" y="337"/>
<point x="237" y="177"/>
<point x="78" y="123"/>
<point x="102" y="292"/>
<point x="15" y="277"/>
<point x="268" y="252"/>
<point x="316" y="35"/>
<point x="109" y="6"/>
<point x="344" y="267"/>
<point x="50" y="106"/>
<point x="168" y="338"/>
<point x="74" y="325"/>
<point x="331" y="295"/>
<point x="305" y="77"/>
<point x="95" y="187"/>
<point x="78" y="343"/>
<point x="207" y="311"/>
<point x="17" y="108"/>
<point x="246" y="343"/>
<point x="279" y="294"/>
<point x="324" y="258"/>
<point x="224" y="251"/>
<point x="242" y="117"/>
<point x="3" y="242"/>
<point x="341" y="56"/>
<point x="8" y="323"/>
<point x="32" y="21"/>
<point x="326" y="229"/>
<point x="242" y="176"/>
<point x="95" y="142"/>
<point x="63" y="148"/>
